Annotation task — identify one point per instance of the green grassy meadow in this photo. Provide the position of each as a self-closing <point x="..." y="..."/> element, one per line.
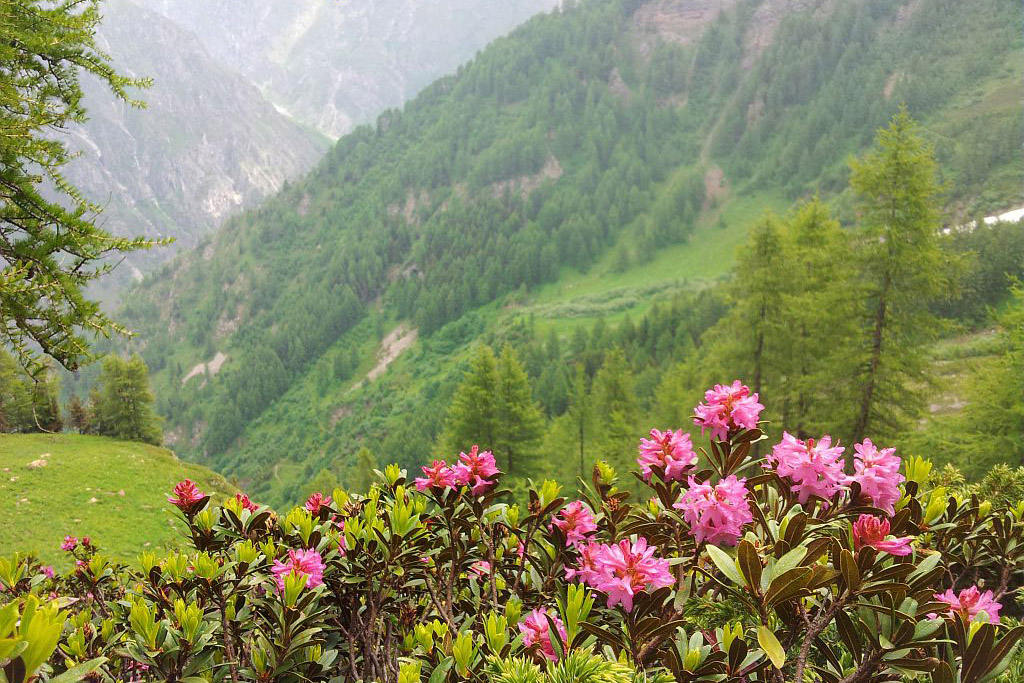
<point x="113" y="491"/>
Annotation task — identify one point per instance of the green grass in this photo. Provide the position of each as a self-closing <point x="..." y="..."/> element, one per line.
<point x="113" y="491"/>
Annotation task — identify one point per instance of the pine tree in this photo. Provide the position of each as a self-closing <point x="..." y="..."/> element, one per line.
<point x="615" y="403"/>
<point x="473" y="415"/>
<point x="820" y="307"/>
<point x="360" y="477"/>
<point x="51" y="248"/>
<point x="902" y="267"/>
<point x="750" y="340"/>
<point x="520" y="424"/>
<point x="78" y="415"/>
<point x="580" y="416"/>
<point x="124" y="403"/>
<point x="15" y="397"/>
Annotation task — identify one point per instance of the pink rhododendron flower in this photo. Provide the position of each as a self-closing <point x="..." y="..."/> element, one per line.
<point x="186" y="495"/>
<point x="439" y="475"/>
<point x="878" y="473"/>
<point x="69" y="544"/>
<point x="475" y="469"/>
<point x="716" y="514"/>
<point x="815" y="468"/>
<point x="86" y="541"/>
<point x="969" y="602"/>
<point x="726" y="408"/>
<point x="315" y="502"/>
<point x="536" y="630"/>
<point x="623" y="570"/>
<point x="481" y="568"/>
<point x="306" y="563"/>
<point x="873" y="532"/>
<point x="246" y="503"/>
<point x="47" y="571"/>
<point x="671" y="451"/>
<point x="576" y="521"/>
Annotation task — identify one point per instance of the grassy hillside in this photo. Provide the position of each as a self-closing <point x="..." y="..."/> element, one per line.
<point x="113" y="491"/>
<point x="595" y="161"/>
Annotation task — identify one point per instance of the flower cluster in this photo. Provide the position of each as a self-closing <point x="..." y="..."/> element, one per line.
<point x="576" y="521"/>
<point x="873" y="532"/>
<point x="878" y="473"/>
<point x="307" y="563"/>
<point x="476" y="469"/>
<point x="970" y="602"/>
<point x="622" y="570"/>
<point x="670" y="451"/>
<point x="315" y="502"/>
<point x="69" y="544"/>
<point x="716" y="514"/>
<point x="814" y="468"/>
<point x="727" y="408"/>
<point x="246" y="504"/>
<point x="536" y="630"/>
<point x="186" y="495"/>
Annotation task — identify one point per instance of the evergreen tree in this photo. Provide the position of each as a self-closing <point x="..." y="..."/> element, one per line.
<point x="51" y="248"/>
<point x="15" y="396"/>
<point x="615" y="403"/>
<point x="750" y="340"/>
<point x="902" y="267"/>
<point x="520" y="424"/>
<point x="124" y="402"/>
<point x="360" y="477"/>
<point x="78" y="415"/>
<point x="473" y="415"/>
<point x="819" y="316"/>
<point x="580" y="418"/>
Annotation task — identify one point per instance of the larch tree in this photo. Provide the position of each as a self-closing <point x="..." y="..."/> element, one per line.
<point x="902" y="268"/>
<point x="50" y="247"/>
<point x="520" y="423"/>
<point x="473" y="416"/>
<point x="123" y="403"/>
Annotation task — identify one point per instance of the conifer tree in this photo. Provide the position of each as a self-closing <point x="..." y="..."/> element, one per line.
<point x="820" y="307"/>
<point x="903" y="271"/>
<point x="360" y="476"/>
<point x="749" y="341"/>
<point x="78" y="415"/>
<point x="520" y="424"/>
<point x="580" y="414"/>
<point x="123" y="404"/>
<point x="15" y="398"/>
<point x="615" y="404"/>
<point x="50" y="248"/>
<point x="473" y="415"/>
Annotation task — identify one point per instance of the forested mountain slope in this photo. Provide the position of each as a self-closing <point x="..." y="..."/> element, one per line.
<point x="333" y="65"/>
<point x="592" y="161"/>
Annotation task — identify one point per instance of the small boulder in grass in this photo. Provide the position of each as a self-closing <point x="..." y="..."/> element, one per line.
<point x="36" y="464"/>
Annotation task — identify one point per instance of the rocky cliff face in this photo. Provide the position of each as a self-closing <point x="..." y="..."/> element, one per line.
<point x="207" y="144"/>
<point x="334" y="64"/>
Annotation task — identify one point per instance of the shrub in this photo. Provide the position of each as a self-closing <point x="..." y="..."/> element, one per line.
<point x="817" y="571"/>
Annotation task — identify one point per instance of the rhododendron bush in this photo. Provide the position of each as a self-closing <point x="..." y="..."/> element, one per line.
<point x="751" y="561"/>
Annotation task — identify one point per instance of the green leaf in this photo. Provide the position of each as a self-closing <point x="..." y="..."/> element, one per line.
<point x="771" y="646"/>
<point x="725" y="564"/>
<point x="77" y="673"/>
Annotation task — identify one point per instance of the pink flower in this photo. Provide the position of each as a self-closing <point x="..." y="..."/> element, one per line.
<point x="576" y="521"/>
<point x="587" y="566"/>
<point x="816" y="469"/>
<point x="670" y="451"/>
<point x="315" y="502"/>
<point x="246" y="503"/>
<point x="476" y="469"/>
<point x="439" y="475"/>
<point x="306" y="563"/>
<point x="481" y="568"/>
<point x="970" y="602"/>
<point x="47" y="571"/>
<point x="878" y="473"/>
<point x="716" y="514"/>
<point x="621" y="571"/>
<point x="69" y="544"/>
<point x="726" y="408"/>
<point x="86" y="541"/>
<point x="873" y="532"/>
<point x="186" y="495"/>
<point x="536" y="630"/>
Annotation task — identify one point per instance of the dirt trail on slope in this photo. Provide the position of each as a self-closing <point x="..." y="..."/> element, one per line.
<point x="392" y="346"/>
